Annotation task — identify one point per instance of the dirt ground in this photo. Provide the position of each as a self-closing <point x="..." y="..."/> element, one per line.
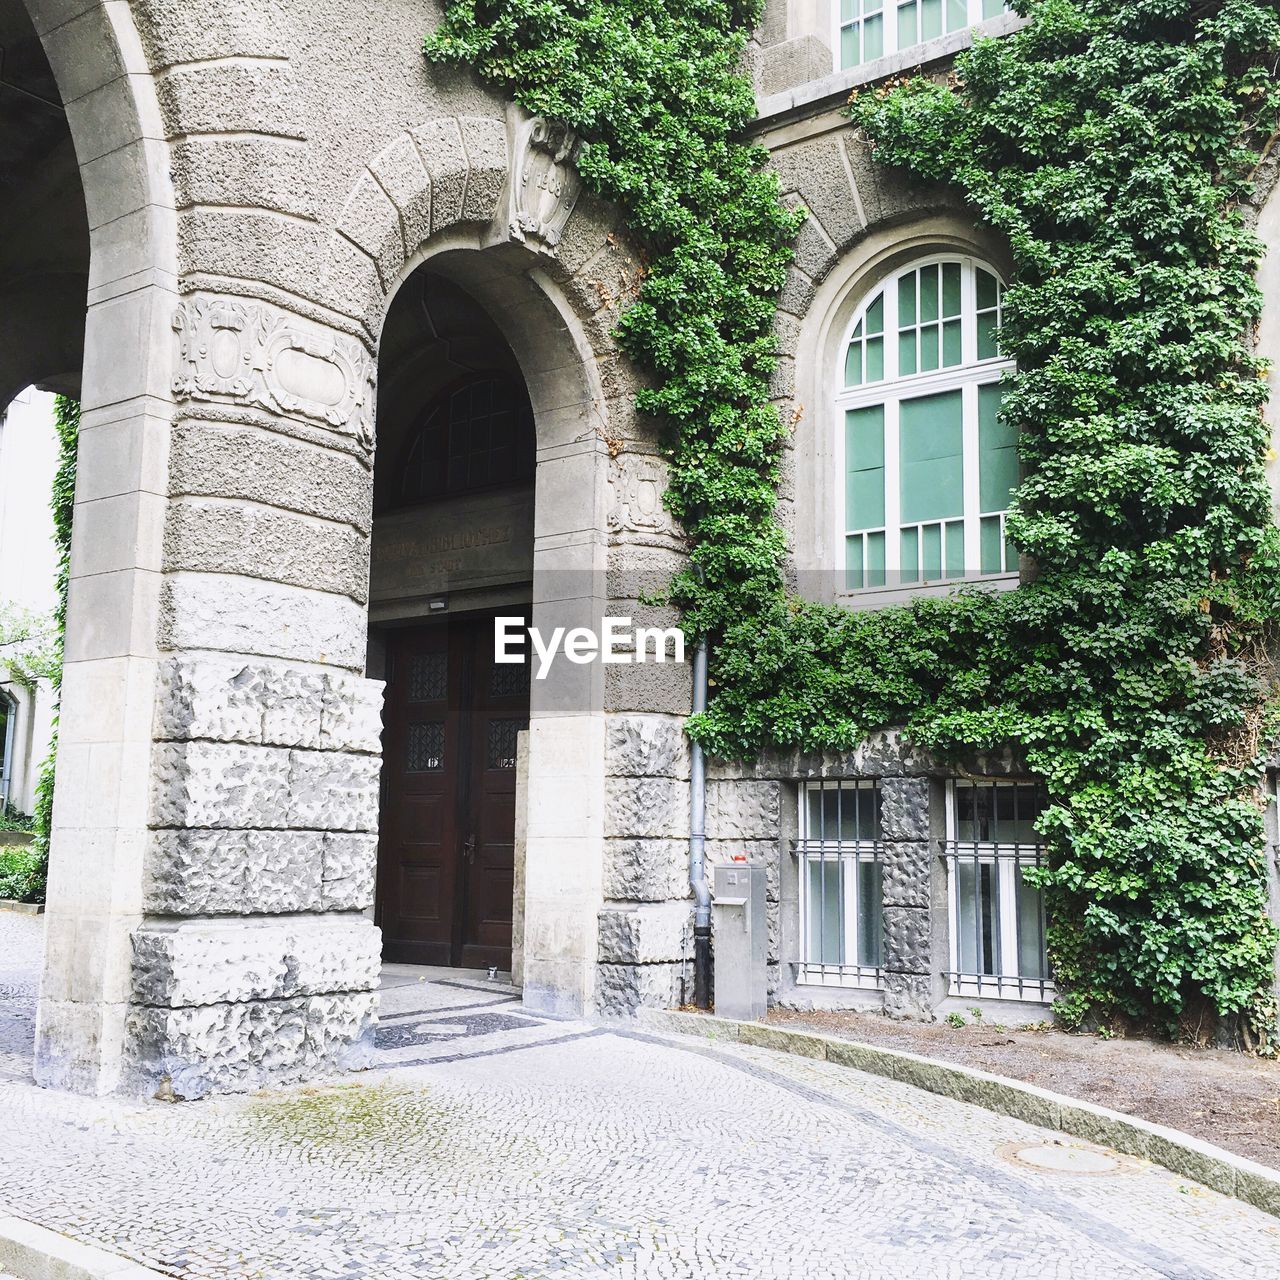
<point x="1223" y="1097"/>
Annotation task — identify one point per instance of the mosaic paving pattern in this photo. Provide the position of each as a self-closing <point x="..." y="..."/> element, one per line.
<point x="493" y="1144"/>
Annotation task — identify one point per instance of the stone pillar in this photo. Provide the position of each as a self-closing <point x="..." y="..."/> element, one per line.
<point x="912" y="961"/>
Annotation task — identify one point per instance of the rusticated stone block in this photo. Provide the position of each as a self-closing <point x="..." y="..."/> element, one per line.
<point x="906" y="940"/>
<point x="352" y="719"/>
<point x="347" y="875"/>
<point x="485" y="141"/>
<point x="440" y="145"/>
<point x="647" y="807"/>
<point x="235" y="872"/>
<point x="210" y="784"/>
<point x="240" y="1047"/>
<point x="646" y="870"/>
<point x="333" y="790"/>
<point x="647" y="934"/>
<point x="743" y="810"/>
<point x="908" y="873"/>
<point x="904" y="809"/>
<point x="621" y="989"/>
<point x="200" y="963"/>
<point x="646" y="746"/>
<point x="908" y="996"/>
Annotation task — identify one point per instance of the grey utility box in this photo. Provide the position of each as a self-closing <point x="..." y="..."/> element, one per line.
<point x="741" y="940"/>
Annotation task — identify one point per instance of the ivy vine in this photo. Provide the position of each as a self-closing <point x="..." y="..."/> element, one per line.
<point x="1110" y="144"/>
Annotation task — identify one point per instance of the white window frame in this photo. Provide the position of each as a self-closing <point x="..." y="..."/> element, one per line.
<point x="1008" y="860"/>
<point x="889" y="23"/>
<point x="851" y="854"/>
<point x="8" y="743"/>
<point x="966" y="377"/>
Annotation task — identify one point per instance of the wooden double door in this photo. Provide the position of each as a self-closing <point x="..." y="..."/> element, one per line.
<point x="447" y="829"/>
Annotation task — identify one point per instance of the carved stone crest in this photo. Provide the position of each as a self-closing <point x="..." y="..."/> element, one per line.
<point x="636" y="484"/>
<point x="251" y="354"/>
<point x="544" y="183"/>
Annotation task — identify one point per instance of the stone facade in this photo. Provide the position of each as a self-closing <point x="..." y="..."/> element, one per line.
<point x="261" y="182"/>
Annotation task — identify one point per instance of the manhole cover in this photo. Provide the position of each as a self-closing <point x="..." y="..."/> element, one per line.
<point x="1058" y="1157"/>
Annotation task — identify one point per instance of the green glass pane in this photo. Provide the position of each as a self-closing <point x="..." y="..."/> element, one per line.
<point x="864" y="461"/>
<point x="930" y="19"/>
<point x="870" y="913"/>
<point x="986" y="289"/>
<point x="931" y="552"/>
<point x="853" y="365"/>
<point x="957" y="14"/>
<point x="906" y="353"/>
<point x="989" y="545"/>
<point x="872" y="6"/>
<point x="950" y="288"/>
<point x="875" y="359"/>
<point x="931" y="463"/>
<point x="992" y="8"/>
<point x="907" y="25"/>
<point x="951" y="353"/>
<point x="987" y="348"/>
<point x="872" y="37"/>
<point x="997" y="453"/>
<point x="849" y="56"/>
<point x="853" y="572"/>
<point x="848" y="10"/>
<point x="928" y="293"/>
<point x="875" y="315"/>
<point x="875" y="559"/>
<point x="910" y="555"/>
<point x="907" y="300"/>
<point x="955" y="549"/>
<point x="928" y="348"/>
<point x="1010" y="555"/>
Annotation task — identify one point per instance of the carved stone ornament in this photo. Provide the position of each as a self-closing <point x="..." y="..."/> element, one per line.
<point x="543" y="185"/>
<point x="251" y="354"/>
<point x="636" y="485"/>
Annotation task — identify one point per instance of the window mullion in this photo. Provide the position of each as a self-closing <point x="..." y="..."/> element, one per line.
<point x="970" y="479"/>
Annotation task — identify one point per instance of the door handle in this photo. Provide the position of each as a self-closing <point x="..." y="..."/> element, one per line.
<point x="469" y="847"/>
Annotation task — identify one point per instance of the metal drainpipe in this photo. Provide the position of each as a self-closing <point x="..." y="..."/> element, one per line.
<point x="698" y="843"/>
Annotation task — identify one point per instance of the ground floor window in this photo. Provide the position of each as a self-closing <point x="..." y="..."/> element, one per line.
<point x="997" y="919"/>
<point x="840" y="884"/>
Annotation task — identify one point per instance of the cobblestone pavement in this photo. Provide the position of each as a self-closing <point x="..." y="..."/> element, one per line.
<point x="493" y="1144"/>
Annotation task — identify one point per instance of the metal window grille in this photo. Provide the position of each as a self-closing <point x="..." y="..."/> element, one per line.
<point x="997" y="919"/>
<point x="840" y="884"/>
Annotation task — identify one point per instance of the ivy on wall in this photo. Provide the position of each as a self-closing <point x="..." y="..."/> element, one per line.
<point x="1109" y="143"/>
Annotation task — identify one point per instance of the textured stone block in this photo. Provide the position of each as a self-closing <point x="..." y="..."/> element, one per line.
<point x="243" y="98"/>
<point x="907" y="940"/>
<point x="440" y="145"/>
<point x="908" y="873"/>
<point x="201" y="963"/>
<point x="194" y="1051"/>
<point x="621" y="989"/>
<point x="646" y="807"/>
<point x="646" y="746"/>
<point x="908" y="996"/>
<point x="646" y="870"/>
<point x="904" y="808"/>
<point x="485" y="141"/>
<point x="352" y="719"/>
<point x="213" y="784"/>
<point x="400" y="172"/>
<point x="348" y="870"/>
<point x="236" y="872"/>
<point x="743" y="810"/>
<point x="647" y="934"/>
<point x="371" y="221"/>
<point x="333" y="791"/>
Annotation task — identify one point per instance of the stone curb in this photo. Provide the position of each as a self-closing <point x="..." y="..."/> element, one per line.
<point x="1178" y="1152"/>
<point x="30" y="1252"/>
<point x="22" y="908"/>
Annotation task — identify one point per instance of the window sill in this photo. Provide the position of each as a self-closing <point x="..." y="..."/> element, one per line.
<point x="879" y="597"/>
<point x="834" y="89"/>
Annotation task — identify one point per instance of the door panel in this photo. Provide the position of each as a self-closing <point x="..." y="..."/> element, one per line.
<point x="447" y="826"/>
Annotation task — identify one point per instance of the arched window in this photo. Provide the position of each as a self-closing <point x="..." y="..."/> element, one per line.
<point x="870" y="29"/>
<point x="927" y="466"/>
<point x="478" y="435"/>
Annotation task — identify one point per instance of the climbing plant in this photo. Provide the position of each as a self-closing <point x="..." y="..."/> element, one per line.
<point x="1110" y="143"/>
